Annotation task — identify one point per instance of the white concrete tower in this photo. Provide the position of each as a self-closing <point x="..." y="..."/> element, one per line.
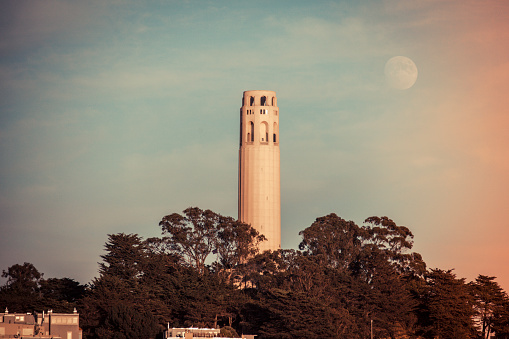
<point x="259" y="179"/>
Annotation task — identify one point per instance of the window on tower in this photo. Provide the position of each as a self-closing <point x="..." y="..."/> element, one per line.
<point x="263" y="101"/>
<point x="264" y="132"/>
<point x="251" y="101"/>
<point x="275" y="129"/>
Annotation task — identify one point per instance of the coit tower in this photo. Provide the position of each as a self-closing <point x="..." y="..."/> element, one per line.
<point x="259" y="179"/>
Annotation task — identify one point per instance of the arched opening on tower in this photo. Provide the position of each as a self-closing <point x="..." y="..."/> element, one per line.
<point x="275" y="136"/>
<point x="263" y="101"/>
<point x="264" y="132"/>
<point x="251" y="101"/>
<point x="250" y="135"/>
<point x="273" y="101"/>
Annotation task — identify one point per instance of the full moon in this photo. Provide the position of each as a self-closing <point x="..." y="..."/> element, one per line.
<point x="400" y="72"/>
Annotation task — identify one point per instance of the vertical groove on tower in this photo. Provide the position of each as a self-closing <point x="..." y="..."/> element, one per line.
<point x="259" y="166"/>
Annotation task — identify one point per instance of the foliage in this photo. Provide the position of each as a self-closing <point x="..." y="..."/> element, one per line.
<point x="22" y="279"/>
<point x="333" y="240"/>
<point x="491" y="306"/>
<point x="236" y="242"/>
<point x="204" y="271"/>
<point x="192" y="235"/>
<point x="278" y="313"/>
<point x="228" y="332"/>
<point x="64" y="290"/>
<point x="124" y="257"/>
<point x="198" y="233"/>
<point x="27" y="291"/>
<point x="395" y="242"/>
<point x="446" y="308"/>
<point x="123" y="322"/>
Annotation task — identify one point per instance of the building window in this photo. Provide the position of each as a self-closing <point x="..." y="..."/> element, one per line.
<point x="273" y="101"/>
<point x="274" y="137"/>
<point x="252" y="132"/>
<point x="251" y="101"/>
<point x="263" y="101"/>
<point x="27" y="332"/>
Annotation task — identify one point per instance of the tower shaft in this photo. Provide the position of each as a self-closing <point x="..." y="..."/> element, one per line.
<point x="259" y="166"/>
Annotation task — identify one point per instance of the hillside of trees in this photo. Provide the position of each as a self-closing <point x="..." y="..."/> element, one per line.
<point x="344" y="281"/>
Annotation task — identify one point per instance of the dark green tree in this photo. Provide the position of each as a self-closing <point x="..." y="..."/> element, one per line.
<point x="235" y="243"/>
<point x="192" y="235"/>
<point x="21" y="290"/>
<point x="143" y="276"/>
<point x="371" y="266"/>
<point x="196" y="234"/>
<point x="395" y="242"/>
<point x="303" y="273"/>
<point x="501" y="320"/>
<point x="26" y="291"/>
<point x="61" y="294"/>
<point x="446" y="309"/>
<point x="277" y="313"/>
<point x="490" y="305"/>
<point x="333" y="240"/>
<point x="64" y="289"/>
<point x="125" y="257"/>
<point x="380" y="294"/>
<point x="228" y="332"/>
<point x="123" y="322"/>
<point x="266" y="270"/>
<point x="22" y="278"/>
<point x="120" y="286"/>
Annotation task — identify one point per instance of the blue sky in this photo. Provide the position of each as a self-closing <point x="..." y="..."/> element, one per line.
<point x="116" y="113"/>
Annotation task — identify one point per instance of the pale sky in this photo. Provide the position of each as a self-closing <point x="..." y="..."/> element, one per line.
<point x="116" y="113"/>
